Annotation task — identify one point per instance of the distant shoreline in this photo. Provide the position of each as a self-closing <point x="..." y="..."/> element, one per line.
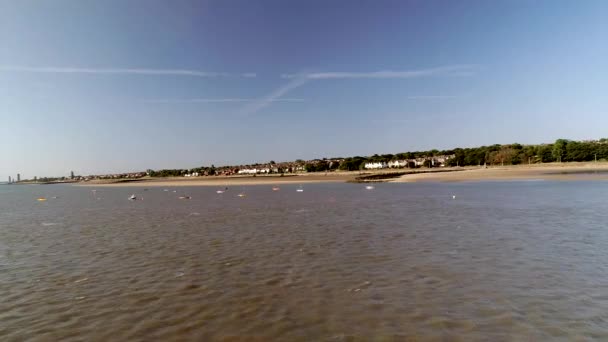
<point x="220" y="181"/>
<point x="550" y="171"/>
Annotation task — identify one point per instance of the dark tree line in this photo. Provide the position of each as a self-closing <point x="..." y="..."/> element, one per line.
<point x="321" y="166"/>
<point x="561" y="150"/>
<point x="180" y="172"/>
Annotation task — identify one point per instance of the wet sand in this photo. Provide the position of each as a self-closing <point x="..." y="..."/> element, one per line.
<point x="566" y="171"/>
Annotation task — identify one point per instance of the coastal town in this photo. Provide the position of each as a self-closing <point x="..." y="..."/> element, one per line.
<point x="294" y="167"/>
<point x="562" y="150"/>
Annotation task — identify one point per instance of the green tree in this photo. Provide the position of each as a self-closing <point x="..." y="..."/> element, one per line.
<point x="352" y="164"/>
<point x="310" y="167"/>
<point x="559" y="149"/>
<point x="544" y="153"/>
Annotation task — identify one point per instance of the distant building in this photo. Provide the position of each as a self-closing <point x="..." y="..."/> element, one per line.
<point x="71" y="174"/>
<point x="253" y="171"/>
<point x="378" y="165"/>
<point x="247" y="171"/>
<point x="18" y="177"/>
<point x="9" y="180"/>
<point x="397" y="163"/>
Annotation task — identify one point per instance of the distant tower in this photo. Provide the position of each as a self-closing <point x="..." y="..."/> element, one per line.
<point x="9" y="180"/>
<point x="71" y="174"/>
<point x="18" y="177"/>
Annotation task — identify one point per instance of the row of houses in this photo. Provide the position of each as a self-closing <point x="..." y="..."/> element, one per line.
<point x="271" y="169"/>
<point x="300" y="166"/>
<point x="110" y="176"/>
<point x="254" y="171"/>
<point x="437" y="161"/>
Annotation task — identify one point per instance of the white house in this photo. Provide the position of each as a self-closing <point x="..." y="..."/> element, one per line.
<point x="377" y="165"/>
<point x="397" y="163"/>
<point x="248" y="171"/>
<point x="253" y="171"/>
<point x="193" y="174"/>
<point x="442" y="160"/>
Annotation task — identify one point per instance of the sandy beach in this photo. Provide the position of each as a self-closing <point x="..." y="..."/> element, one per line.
<point x="553" y="171"/>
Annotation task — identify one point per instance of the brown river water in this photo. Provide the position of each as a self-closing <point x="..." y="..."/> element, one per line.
<point x="502" y="261"/>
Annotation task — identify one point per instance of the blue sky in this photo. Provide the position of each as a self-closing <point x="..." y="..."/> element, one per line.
<point x="114" y="86"/>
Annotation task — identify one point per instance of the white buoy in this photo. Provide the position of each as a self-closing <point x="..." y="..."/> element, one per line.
<point x="453" y="196"/>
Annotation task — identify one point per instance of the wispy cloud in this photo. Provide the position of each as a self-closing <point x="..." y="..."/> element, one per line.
<point x="225" y="100"/>
<point x="432" y="97"/>
<point x="263" y="102"/>
<point x="450" y="70"/>
<point x="298" y="80"/>
<point x="123" y="71"/>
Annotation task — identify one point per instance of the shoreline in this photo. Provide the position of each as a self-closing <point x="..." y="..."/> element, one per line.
<point x="221" y="181"/>
<point x="553" y="171"/>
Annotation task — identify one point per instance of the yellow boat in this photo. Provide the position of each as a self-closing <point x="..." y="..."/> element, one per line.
<point x="41" y="199"/>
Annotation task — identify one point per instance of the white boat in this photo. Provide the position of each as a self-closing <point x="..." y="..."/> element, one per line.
<point x="132" y="197"/>
<point x="370" y="187"/>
